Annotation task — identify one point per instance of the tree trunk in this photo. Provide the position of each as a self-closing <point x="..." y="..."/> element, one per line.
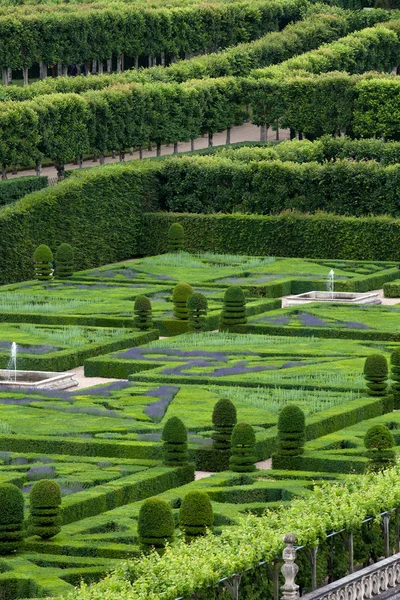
<point x="43" y="70"/>
<point x="102" y="160"/>
<point x="9" y="73"/>
<point x="25" y="76"/>
<point x="263" y="133"/>
<point x="136" y="63"/>
<point x="140" y="151"/>
<point x="109" y="65"/>
<point x="60" y="171"/>
<point x="38" y="168"/>
<point x="121" y="156"/>
<point x="65" y="70"/>
<point x="175" y="147"/>
<point x="100" y="67"/>
<point x="94" y="66"/>
<point x="277" y="132"/>
<point x="80" y="161"/>
<point x="163" y="59"/>
<point x="228" y="135"/>
<point x="4" y="171"/>
<point x="14" y="170"/>
<point x="131" y="151"/>
<point x="174" y="60"/>
<point x="210" y="139"/>
<point x="150" y="62"/>
<point x="59" y="69"/>
<point x="192" y="144"/>
<point x="120" y="63"/>
<point x="158" y="149"/>
<point x="113" y="155"/>
<point x="5" y="77"/>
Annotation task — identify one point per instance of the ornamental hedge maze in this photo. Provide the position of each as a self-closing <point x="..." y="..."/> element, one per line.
<point x="164" y="277"/>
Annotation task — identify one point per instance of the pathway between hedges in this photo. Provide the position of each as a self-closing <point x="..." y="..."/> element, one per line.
<point x="244" y="133"/>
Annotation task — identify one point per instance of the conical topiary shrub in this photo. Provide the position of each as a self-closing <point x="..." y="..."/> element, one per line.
<point x="376" y="374"/>
<point x="64" y="261"/>
<point x="234" y="308"/>
<point x="379" y="443"/>
<point x="243" y="449"/>
<point x="195" y="515"/>
<point x="45" y="509"/>
<point x="395" y="376"/>
<point x="180" y="295"/>
<point x="224" y="420"/>
<point x="197" y="310"/>
<point x="174" y="436"/>
<point x="143" y="313"/>
<point x="43" y="263"/>
<point x="176" y="236"/>
<point x="156" y="525"/>
<point x="11" y="518"/>
<point x="290" y="439"/>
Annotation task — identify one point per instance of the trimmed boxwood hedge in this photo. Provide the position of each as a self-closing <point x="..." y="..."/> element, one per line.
<point x="14" y="189"/>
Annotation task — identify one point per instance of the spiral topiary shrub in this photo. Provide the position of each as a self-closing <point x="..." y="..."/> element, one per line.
<point x="197" y="310"/>
<point x="395" y="376"/>
<point x="156" y="525"/>
<point x="45" y="509"/>
<point x="180" y="295"/>
<point x="195" y="515"/>
<point x="176" y="236"/>
<point x="224" y="420"/>
<point x="43" y="263"/>
<point x="174" y="436"/>
<point x="379" y="443"/>
<point x="376" y="374"/>
<point x="243" y="449"/>
<point x="11" y="518"/>
<point x="234" y="309"/>
<point x="143" y="313"/>
<point x="290" y="439"/>
<point x="64" y="261"/>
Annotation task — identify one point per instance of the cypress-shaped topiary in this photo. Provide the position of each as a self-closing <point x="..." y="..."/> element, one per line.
<point x="174" y="436"/>
<point x="234" y="308"/>
<point x="379" y="443"/>
<point x="11" y="518"/>
<point x="243" y="449"/>
<point x="64" y="261"/>
<point x="195" y="514"/>
<point x="224" y="420"/>
<point x="395" y="376"/>
<point x="180" y="295"/>
<point x="43" y="263"/>
<point x="45" y="509"/>
<point x="143" y="313"/>
<point x="290" y="439"/>
<point x="376" y="374"/>
<point x="197" y="310"/>
<point x="176" y="236"/>
<point x="155" y="523"/>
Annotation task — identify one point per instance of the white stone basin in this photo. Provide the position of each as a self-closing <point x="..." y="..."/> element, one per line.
<point x="37" y="379"/>
<point x="340" y="297"/>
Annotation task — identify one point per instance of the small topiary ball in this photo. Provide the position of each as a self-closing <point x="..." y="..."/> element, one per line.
<point x="378" y="437"/>
<point x="43" y="254"/>
<point x="224" y="413"/>
<point x="376" y="366"/>
<point x="243" y="435"/>
<point x="45" y="494"/>
<point x="176" y="235"/>
<point x="142" y="303"/>
<point x="196" y="514"/>
<point x="197" y="301"/>
<point x="174" y="431"/>
<point x="234" y="294"/>
<point x="291" y="419"/>
<point x="43" y="262"/>
<point x="156" y="524"/>
<point x="65" y="261"/>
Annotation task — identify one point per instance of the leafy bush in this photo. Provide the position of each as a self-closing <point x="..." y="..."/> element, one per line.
<point x="224" y="419"/>
<point x="11" y="518"/>
<point x="156" y="525"/>
<point x="180" y="295"/>
<point x="376" y="374"/>
<point x="143" y="313"/>
<point x="379" y="443"/>
<point x="64" y="261"/>
<point x="12" y="190"/>
<point x="234" y="308"/>
<point x="174" y="436"/>
<point x="197" y="310"/>
<point x="175" y="238"/>
<point x="291" y="437"/>
<point x="43" y="262"/>
<point x="243" y="443"/>
<point x="195" y="514"/>
<point x="45" y="509"/>
<point x="395" y="376"/>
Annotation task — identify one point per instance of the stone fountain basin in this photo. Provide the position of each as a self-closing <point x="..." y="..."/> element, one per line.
<point x="338" y="297"/>
<point x="37" y="379"/>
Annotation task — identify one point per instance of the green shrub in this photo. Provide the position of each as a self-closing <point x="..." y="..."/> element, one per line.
<point x="64" y="261"/>
<point x="143" y="313"/>
<point x="13" y="189"/>
<point x="155" y="523"/>
<point x="43" y="262"/>
<point x="45" y="509"/>
<point x="376" y="374"/>
<point x="395" y="376"/>
<point x="180" y="295"/>
<point x="174" y="436"/>
<point x="197" y="311"/>
<point x="224" y="419"/>
<point x="234" y="308"/>
<point x="379" y="443"/>
<point x="11" y="518"/>
<point x="243" y="444"/>
<point x="175" y="238"/>
<point x="291" y="437"/>
<point x="195" y="514"/>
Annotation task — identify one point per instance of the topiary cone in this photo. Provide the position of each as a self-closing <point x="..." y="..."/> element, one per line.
<point x="143" y="313"/>
<point x="64" y="261"/>
<point x="234" y="308"/>
<point x="43" y="263"/>
<point x="180" y="295"/>
<point x="243" y="449"/>
<point x="176" y="236"/>
<point x="376" y="374"/>
<point x="174" y="436"/>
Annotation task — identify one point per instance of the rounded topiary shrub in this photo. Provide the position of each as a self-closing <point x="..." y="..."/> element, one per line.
<point x="290" y="439"/>
<point x="43" y="263"/>
<point x="180" y="295"/>
<point x="174" y="436"/>
<point x="45" y="509"/>
<point x="234" y="308"/>
<point x="197" y="310"/>
<point x="376" y="373"/>
<point x="195" y="515"/>
<point x="64" y="261"/>
<point x="243" y="449"/>
<point x="11" y="518"/>
<point x="395" y="376"/>
<point x="143" y="313"/>
<point x="224" y="420"/>
<point x="379" y="443"/>
<point x="155" y="523"/>
<point x="176" y="236"/>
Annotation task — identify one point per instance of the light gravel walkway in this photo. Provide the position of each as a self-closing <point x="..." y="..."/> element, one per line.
<point x="84" y="382"/>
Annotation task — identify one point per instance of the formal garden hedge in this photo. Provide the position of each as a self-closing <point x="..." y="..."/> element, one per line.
<point x="13" y="190"/>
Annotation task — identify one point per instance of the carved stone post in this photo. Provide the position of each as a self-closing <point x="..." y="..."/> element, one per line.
<point x="289" y="569"/>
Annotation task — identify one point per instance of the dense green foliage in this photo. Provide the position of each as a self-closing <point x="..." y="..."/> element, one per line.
<point x="195" y="515"/>
<point x="224" y="419"/>
<point x="376" y="374"/>
<point x="45" y="509"/>
<point x="11" y="518"/>
<point x="379" y="443"/>
<point x="197" y="310"/>
<point x="174" y="436"/>
<point x="395" y="377"/>
<point x="234" y="309"/>
<point x="176" y="237"/>
<point x="143" y="313"/>
<point x="291" y="437"/>
<point x="43" y="263"/>
<point x="180" y="295"/>
<point x="14" y="189"/>
<point x="243" y="443"/>
<point x="64" y="261"/>
<point x="155" y="524"/>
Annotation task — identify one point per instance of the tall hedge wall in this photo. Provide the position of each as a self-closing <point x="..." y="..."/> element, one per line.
<point x="14" y="189"/>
